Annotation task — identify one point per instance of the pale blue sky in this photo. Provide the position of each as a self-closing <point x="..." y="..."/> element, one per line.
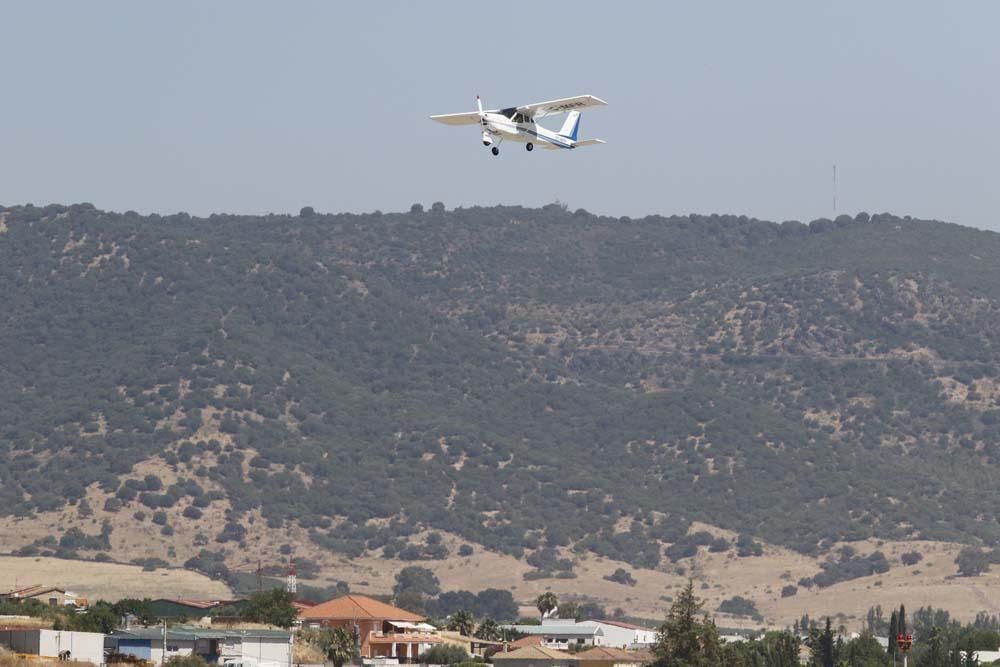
<point x="730" y="107"/>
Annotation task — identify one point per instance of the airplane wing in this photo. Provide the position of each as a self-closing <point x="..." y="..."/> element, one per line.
<point x="471" y="118"/>
<point x="542" y="109"/>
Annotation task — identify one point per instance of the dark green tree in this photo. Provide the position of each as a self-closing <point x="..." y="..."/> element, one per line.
<point x="416" y="579"/>
<point x="488" y="630"/>
<point x="823" y="646"/>
<point x="338" y="646"/>
<point x="444" y="654"/>
<point x="546" y="602"/>
<point x="273" y="607"/>
<point x="893" y="632"/>
<point x="972" y="562"/>
<point x="462" y="623"/>
<point x="684" y="639"/>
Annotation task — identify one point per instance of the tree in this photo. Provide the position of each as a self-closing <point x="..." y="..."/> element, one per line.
<point x="864" y="651"/>
<point x="461" y="622"/>
<point x="823" y="646"/>
<point x="273" y="607"/>
<point x="444" y="654"/>
<point x="893" y="633"/>
<point x="972" y="562"/>
<point x="546" y="602"/>
<point x="338" y="645"/>
<point x="99" y="617"/>
<point x="416" y="579"/>
<point x="488" y="630"/>
<point x="685" y="641"/>
<point x="136" y="607"/>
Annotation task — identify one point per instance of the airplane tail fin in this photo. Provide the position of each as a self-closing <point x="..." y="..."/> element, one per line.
<point x="571" y="126"/>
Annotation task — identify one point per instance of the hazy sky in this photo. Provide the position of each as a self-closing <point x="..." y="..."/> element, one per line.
<point x="729" y="107"/>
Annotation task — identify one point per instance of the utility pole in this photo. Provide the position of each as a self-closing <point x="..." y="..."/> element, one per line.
<point x="260" y="579"/>
<point x="163" y="653"/>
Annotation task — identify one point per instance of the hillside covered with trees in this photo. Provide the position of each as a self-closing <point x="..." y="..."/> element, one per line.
<point x="527" y="379"/>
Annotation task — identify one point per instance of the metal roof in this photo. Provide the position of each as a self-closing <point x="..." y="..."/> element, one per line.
<point x="553" y="629"/>
<point x="183" y="633"/>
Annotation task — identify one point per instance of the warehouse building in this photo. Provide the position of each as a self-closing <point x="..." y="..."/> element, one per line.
<point x="58" y="644"/>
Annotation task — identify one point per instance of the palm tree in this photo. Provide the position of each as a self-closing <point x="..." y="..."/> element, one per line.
<point x="546" y="602"/>
<point x="462" y="622"/>
<point x="339" y="646"/>
<point x="488" y="630"/>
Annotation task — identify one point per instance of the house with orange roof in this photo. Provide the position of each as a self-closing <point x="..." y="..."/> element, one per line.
<point x="50" y="595"/>
<point x="535" y="656"/>
<point x="380" y="630"/>
<point x="609" y="656"/>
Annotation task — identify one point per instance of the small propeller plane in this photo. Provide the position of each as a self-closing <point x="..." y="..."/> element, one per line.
<point x="518" y="123"/>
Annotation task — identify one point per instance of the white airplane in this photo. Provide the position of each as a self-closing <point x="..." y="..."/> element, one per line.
<point x="518" y="123"/>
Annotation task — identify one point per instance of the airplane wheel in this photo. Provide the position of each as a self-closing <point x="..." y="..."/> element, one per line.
<point x="495" y="150"/>
<point x="530" y="147"/>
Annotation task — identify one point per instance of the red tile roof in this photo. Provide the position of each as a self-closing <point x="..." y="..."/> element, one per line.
<point x="530" y="640"/>
<point x="606" y="653"/>
<point x="357" y="607"/>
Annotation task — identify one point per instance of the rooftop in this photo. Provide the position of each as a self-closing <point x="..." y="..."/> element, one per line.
<point x="606" y="653"/>
<point x="567" y="630"/>
<point x="197" y="604"/>
<point x="186" y="633"/>
<point x="620" y="624"/>
<point x="533" y="653"/>
<point x="358" y="607"/>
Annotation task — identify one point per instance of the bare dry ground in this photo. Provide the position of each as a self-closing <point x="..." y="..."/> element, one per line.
<point x="108" y="581"/>
<point x="717" y="576"/>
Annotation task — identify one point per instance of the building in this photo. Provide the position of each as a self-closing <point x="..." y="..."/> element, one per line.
<point x="609" y="656"/>
<point x="534" y="656"/>
<point x="50" y="595"/>
<point x="189" y="608"/>
<point x="263" y="647"/>
<point x="623" y="635"/>
<point x="557" y="633"/>
<point x="380" y="630"/>
<point x="57" y="644"/>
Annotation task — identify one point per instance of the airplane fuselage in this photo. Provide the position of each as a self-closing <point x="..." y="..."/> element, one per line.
<point x="497" y="127"/>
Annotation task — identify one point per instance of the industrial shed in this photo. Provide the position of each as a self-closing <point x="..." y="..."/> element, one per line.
<point x="263" y="647"/>
<point x="84" y="646"/>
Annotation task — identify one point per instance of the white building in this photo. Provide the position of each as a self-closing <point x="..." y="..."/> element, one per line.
<point x="83" y="646"/>
<point x="560" y="633"/>
<point x="623" y="635"/>
<point x="259" y="647"/>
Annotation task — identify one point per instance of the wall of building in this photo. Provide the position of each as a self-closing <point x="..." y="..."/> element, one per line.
<point x="614" y="635"/>
<point x="84" y="646"/>
<point x="264" y="650"/>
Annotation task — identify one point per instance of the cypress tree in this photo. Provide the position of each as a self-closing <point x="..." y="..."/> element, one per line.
<point x="893" y="632"/>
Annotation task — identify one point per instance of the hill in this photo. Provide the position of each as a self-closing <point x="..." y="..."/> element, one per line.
<point x="109" y="581"/>
<point x="539" y="383"/>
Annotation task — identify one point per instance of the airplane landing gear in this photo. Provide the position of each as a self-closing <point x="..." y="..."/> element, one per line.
<point x="495" y="150"/>
<point x="530" y="147"/>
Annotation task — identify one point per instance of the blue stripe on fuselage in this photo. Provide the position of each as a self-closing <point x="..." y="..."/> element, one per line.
<point x="554" y="142"/>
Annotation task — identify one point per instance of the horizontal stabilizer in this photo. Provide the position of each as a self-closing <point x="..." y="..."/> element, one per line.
<point x="588" y="142"/>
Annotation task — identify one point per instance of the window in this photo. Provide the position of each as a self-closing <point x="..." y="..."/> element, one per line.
<point x="172" y="648"/>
